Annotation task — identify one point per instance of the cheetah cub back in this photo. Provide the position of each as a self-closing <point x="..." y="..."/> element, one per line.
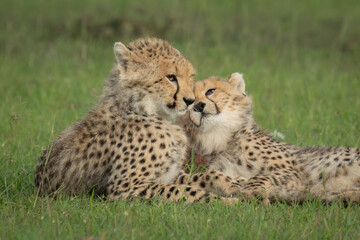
<point x="124" y="147"/>
<point x="221" y="128"/>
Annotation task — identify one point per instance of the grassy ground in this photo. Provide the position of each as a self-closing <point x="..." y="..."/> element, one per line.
<point x="301" y="64"/>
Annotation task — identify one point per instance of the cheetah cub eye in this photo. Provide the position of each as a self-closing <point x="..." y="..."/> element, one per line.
<point x="172" y="78"/>
<point x="210" y="92"/>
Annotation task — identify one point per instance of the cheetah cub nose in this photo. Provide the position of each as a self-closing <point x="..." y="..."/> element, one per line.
<point x="199" y="107"/>
<point x="188" y="101"/>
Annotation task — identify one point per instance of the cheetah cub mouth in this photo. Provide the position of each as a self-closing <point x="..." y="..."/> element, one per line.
<point x="199" y="115"/>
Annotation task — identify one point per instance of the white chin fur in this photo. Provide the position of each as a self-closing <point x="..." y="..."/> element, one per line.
<point x="209" y="122"/>
<point x="216" y="130"/>
<point x="212" y="135"/>
<point x="171" y="112"/>
<point x="181" y="112"/>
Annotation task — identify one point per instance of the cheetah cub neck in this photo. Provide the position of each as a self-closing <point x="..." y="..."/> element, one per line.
<point x="149" y="77"/>
<point x="222" y="108"/>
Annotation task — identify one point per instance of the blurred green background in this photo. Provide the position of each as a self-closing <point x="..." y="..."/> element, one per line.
<point x="300" y="61"/>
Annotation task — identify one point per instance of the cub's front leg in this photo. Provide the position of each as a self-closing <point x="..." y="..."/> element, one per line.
<point x="346" y="195"/>
<point x="284" y="184"/>
<point x="168" y="192"/>
<point x="213" y="182"/>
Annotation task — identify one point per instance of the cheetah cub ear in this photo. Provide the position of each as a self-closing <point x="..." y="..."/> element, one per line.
<point x="237" y="81"/>
<point x="122" y="53"/>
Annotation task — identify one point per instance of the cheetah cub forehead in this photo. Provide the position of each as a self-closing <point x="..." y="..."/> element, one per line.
<point x="160" y="78"/>
<point x="219" y="104"/>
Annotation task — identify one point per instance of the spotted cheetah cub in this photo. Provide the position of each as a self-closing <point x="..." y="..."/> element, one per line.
<point x="125" y="147"/>
<point x="221" y="128"/>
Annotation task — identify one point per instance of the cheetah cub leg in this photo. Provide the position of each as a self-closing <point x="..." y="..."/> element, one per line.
<point x="172" y="193"/>
<point x="213" y="182"/>
<point x="348" y="195"/>
<point x="286" y="184"/>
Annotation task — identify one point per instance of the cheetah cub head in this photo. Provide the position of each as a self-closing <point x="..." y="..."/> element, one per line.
<point x="155" y="74"/>
<point x="221" y="106"/>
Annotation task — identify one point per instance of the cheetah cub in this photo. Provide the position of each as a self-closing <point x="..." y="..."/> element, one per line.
<point x="125" y="147"/>
<point x="221" y="128"/>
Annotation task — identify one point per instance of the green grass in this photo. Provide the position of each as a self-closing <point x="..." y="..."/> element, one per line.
<point x="301" y="64"/>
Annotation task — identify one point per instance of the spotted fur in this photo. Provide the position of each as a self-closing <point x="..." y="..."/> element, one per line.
<point x="222" y="130"/>
<point x="125" y="147"/>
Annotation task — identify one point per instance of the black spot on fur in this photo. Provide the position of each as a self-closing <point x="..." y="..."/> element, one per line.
<point x="181" y="180"/>
<point x="102" y="142"/>
<point x="192" y="193"/>
<point x="275" y="181"/>
<point x="143" y="192"/>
